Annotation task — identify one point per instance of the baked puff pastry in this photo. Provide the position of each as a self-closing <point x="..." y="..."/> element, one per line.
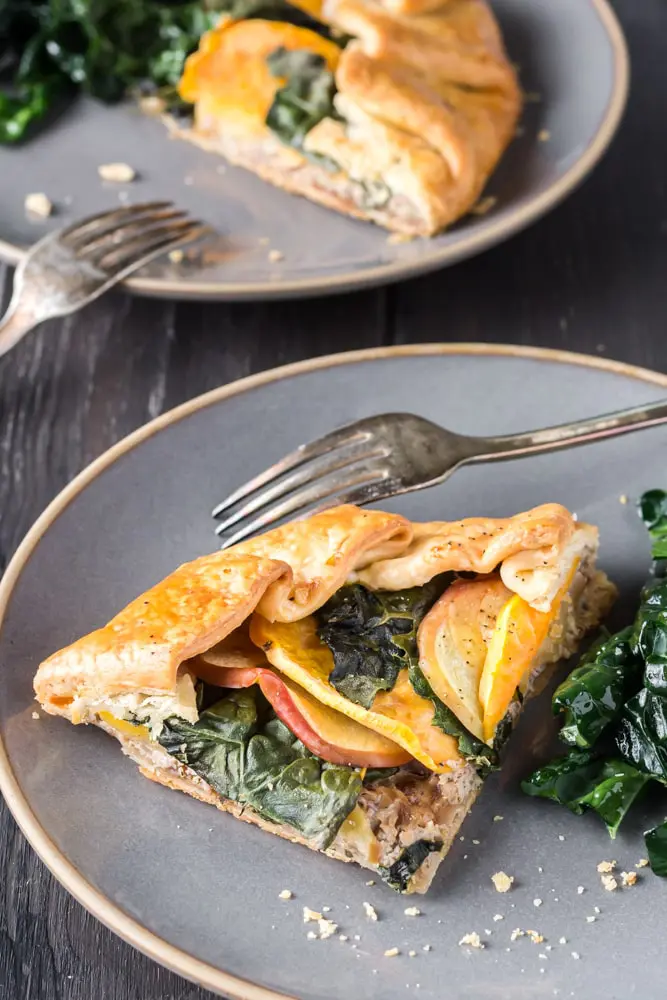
<point x="345" y="681"/>
<point x="395" y="111"/>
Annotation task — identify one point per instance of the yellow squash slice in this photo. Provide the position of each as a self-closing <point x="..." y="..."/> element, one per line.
<point x="519" y="633"/>
<point x="229" y="75"/>
<point x="453" y="640"/>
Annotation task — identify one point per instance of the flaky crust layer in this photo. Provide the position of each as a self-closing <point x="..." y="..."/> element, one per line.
<point x="287" y="574"/>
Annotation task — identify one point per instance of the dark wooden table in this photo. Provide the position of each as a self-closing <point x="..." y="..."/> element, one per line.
<point x="591" y="277"/>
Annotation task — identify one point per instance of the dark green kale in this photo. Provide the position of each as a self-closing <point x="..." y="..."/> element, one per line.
<point x="373" y="634"/>
<point x="592" y="697"/>
<point x="656" y="848"/>
<point x="248" y="755"/>
<point x="653" y="512"/>
<point x="583" y="781"/>
<point x="399" y="875"/>
<point x="618" y="695"/>
<point x="304" y="99"/>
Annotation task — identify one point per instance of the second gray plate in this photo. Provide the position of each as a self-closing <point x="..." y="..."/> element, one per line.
<point x="198" y="890"/>
<point x="572" y="57"/>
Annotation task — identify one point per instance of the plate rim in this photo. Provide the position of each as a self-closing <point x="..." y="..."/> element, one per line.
<point x="488" y="234"/>
<point x="94" y="901"/>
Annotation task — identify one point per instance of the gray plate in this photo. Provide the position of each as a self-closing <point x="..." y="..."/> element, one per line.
<point x="571" y="53"/>
<point x="198" y="890"/>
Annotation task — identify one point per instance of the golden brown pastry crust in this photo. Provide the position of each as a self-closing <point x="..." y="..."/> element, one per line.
<point x="288" y="573"/>
<point x="434" y="74"/>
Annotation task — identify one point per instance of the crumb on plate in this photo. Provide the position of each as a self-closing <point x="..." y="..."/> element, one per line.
<point x="118" y="173"/>
<point x="606" y="866"/>
<point x="38" y="204"/>
<point x="502" y="881"/>
<point x="472" y="940"/>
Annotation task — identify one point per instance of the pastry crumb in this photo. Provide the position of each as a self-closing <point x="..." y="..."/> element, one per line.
<point x="575" y="955"/>
<point x="562" y="940"/>
<point x="118" y="173"/>
<point x="502" y="881"/>
<point x="484" y="205"/>
<point x="580" y="890"/>
<point x="36" y="715"/>
<point x="327" y="928"/>
<point x="497" y="819"/>
<point x="275" y="255"/>
<point x="311" y="935"/>
<point x="561" y="836"/>
<point x="343" y="937"/>
<point x="642" y="863"/>
<point x="609" y="882"/>
<point x="370" y="911"/>
<point x="395" y="238"/>
<point x="498" y="916"/>
<point x="606" y="866"/>
<point x="412" y="911"/>
<point x="623" y="498"/>
<point x="326" y="909"/>
<point x="412" y="954"/>
<point x="176" y="256"/>
<point x="535" y="937"/>
<point x="476" y="843"/>
<point x="371" y="882"/>
<point x="309" y="915"/>
<point x="517" y="933"/>
<point x="426" y="947"/>
<point x="472" y="940"/>
<point x="38" y="204"/>
<point x="391" y="953"/>
<point x="629" y="878"/>
<point x="285" y="894"/>
<point x="543" y="135"/>
<point x="537" y="902"/>
<point x="591" y="920"/>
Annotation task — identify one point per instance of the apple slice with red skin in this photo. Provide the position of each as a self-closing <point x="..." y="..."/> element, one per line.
<point x="328" y="734"/>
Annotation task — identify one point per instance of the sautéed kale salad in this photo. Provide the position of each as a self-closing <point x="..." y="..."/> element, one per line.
<point x="614" y="710"/>
<point x="50" y="50"/>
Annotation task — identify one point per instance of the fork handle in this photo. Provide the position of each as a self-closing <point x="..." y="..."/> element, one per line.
<point x="14" y="325"/>
<point x="568" y="435"/>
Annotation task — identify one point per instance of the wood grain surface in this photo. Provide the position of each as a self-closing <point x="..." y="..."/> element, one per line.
<point x="591" y="277"/>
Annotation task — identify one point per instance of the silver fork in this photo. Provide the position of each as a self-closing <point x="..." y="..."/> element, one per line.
<point x="70" y="267"/>
<point x="394" y="453"/>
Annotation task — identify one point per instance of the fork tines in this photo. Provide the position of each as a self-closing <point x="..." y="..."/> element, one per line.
<point x="115" y="240"/>
<point x="344" y="466"/>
